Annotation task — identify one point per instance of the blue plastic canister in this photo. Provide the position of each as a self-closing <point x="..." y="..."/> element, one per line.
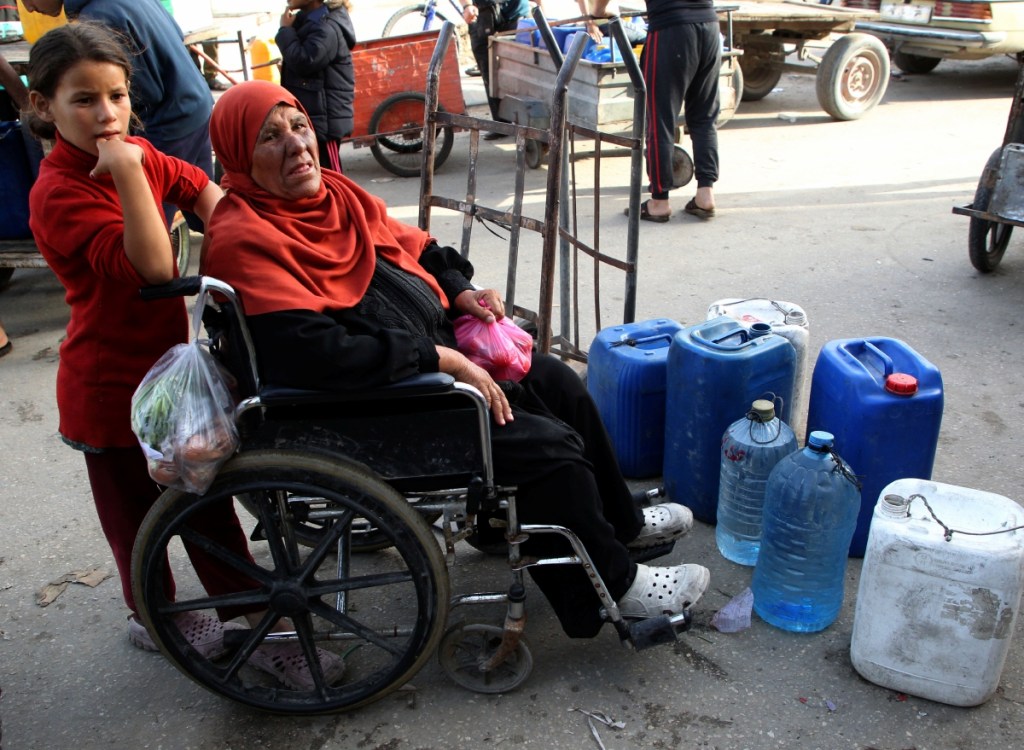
<point x="883" y="402"/>
<point x="626" y="375"/>
<point x="715" y="370"/>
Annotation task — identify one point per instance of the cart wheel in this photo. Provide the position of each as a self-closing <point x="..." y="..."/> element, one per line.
<point x="465" y="647"/>
<point x="853" y="76"/>
<point x="384" y="614"/>
<point x="399" y="119"/>
<point x="987" y="240"/>
<point x="534" y="153"/>
<point x="915" y="63"/>
<point x="682" y="167"/>
<point x="761" y="71"/>
<point x="181" y="243"/>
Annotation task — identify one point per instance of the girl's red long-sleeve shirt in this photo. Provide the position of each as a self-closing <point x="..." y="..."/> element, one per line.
<point x="113" y="336"/>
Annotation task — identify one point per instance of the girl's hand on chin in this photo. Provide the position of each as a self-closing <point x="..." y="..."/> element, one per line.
<point x="115" y="154"/>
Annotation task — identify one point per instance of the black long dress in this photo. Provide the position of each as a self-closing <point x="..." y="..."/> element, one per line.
<point x="556" y="450"/>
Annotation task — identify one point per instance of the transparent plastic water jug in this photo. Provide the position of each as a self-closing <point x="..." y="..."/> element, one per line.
<point x="810" y="511"/>
<point x="751" y="447"/>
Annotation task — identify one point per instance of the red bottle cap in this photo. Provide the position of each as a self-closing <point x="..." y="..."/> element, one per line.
<point x="901" y="384"/>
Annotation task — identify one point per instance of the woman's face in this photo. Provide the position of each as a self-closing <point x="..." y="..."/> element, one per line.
<point x="285" y="161"/>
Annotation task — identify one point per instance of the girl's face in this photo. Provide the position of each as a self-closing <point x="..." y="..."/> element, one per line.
<point x="285" y="161"/>
<point x="90" y="104"/>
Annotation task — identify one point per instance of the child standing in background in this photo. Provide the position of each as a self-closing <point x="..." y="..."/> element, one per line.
<point x="316" y="40"/>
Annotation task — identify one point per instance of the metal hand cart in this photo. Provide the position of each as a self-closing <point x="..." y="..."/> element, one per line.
<point x="998" y="204"/>
<point x="562" y="245"/>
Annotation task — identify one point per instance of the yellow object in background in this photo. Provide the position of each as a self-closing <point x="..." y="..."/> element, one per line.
<point x="34" y="25"/>
<point x="265" y="60"/>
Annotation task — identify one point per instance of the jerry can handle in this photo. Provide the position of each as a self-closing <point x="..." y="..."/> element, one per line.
<point x="887" y="366"/>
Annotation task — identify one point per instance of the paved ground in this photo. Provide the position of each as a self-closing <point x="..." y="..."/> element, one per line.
<point x="850" y="220"/>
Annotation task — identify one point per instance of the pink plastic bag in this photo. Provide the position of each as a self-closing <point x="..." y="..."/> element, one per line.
<point x="502" y="348"/>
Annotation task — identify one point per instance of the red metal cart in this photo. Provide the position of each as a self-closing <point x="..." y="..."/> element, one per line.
<point x="390" y="101"/>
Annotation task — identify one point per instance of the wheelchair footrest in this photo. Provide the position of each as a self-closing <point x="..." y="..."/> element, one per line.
<point x="653" y="631"/>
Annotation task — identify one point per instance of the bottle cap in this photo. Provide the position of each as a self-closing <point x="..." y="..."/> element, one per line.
<point x="763" y="410"/>
<point x="820" y="440"/>
<point x="901" y="384"/>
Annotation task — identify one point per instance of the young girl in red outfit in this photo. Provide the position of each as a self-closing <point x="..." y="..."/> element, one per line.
<point x="97" y="219"/>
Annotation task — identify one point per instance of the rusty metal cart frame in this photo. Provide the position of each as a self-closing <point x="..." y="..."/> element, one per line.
<point x="998" y="204"/>
<point x="560" y="242"/>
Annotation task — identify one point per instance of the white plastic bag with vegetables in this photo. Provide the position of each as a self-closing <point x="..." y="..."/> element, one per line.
<point x="182" y="416"/>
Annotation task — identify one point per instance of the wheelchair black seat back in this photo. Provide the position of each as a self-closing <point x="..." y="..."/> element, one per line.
<point x="326" y="478"/>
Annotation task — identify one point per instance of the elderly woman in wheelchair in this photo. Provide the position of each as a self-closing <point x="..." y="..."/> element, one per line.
<point x="360" y="419"/>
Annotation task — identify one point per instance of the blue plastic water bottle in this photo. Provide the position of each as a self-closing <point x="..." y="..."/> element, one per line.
<point x="751" y="447"/>
<point x="810" y="512"/>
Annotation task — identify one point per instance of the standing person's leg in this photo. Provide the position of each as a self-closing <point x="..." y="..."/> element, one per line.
<point x="480" y="33"/>
<point x="701" y="110"/>
<point x="123" y="493"/>
<point x="666" y="70"/>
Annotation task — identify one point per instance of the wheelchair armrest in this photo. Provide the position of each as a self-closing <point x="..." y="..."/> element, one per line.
<point x="186" y="286"/>
<point x="424" y="384"/>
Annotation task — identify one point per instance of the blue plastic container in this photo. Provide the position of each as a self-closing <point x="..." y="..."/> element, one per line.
<point x="15" y="183"/>
<point x="716" y="369"/>
<point x="563" y="35"/>
<point x="751" y="447"/>
<point x="883" y="402"/>
<point x="810" y="511"/>
<point x="626" y="375"/>
<point x="526" y="33"/>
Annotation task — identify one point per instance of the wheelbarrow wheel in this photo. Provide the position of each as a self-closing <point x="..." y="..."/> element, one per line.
<point x="987" y="240"/>
<point x="853" y="76"/>
<point x="384" y="615"/>
<point x="398" y="126"/>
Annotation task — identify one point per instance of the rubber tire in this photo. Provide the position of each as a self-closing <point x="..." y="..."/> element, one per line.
<point x="915" y="64"/>
<point x="758" y="80"/>
<point x="853" y="76"/>
<point x="987" y="240"/>
<point x="290" y="581"/>
<point x="398" y="15"/>
<point x="383" y="146"/>
<point x="181" y="243"/>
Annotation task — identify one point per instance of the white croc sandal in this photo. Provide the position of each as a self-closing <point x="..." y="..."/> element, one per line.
<point x="660" y="591"/>
<point x="204" y="633"/>
<point x="663" y="523"/>
<point x="287" y="662"/>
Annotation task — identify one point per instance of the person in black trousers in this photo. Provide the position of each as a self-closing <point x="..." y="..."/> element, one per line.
<point x="680" y="63"/>
<point x="486" y="18"/>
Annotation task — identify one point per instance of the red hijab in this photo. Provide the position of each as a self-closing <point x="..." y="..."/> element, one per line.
<point x="315" y="253"/>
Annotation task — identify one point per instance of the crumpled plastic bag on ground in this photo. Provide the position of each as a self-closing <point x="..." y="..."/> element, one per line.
<point x="734" y="616"/>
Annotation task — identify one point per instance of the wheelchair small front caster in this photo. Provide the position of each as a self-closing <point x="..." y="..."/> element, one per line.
<point x="465" y="648"/>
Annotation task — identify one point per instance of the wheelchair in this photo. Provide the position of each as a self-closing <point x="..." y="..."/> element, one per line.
<point x="344" y="490"/>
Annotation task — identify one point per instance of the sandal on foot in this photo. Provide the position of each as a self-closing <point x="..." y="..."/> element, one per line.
<point x="664" y="591"/>
<point x="646" y="215"/>
<point x="663" y="523"/>
<point x="701" y="213"/>
<point x="287" y="662"/>
<point x="204" y="633"/>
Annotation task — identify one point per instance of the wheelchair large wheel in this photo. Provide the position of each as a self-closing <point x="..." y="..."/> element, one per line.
<point x="384" y="614"/>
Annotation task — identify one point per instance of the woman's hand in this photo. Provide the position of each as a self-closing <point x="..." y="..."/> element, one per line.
<point x="459" y="367"/>
<point x="485" y="304"/>
<point x="470" y="13"/>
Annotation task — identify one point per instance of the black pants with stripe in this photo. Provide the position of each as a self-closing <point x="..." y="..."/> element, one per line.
<point x="681" y="67"/>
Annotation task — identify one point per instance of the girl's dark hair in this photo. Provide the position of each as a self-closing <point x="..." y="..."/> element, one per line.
<point x="56" y="51"/>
